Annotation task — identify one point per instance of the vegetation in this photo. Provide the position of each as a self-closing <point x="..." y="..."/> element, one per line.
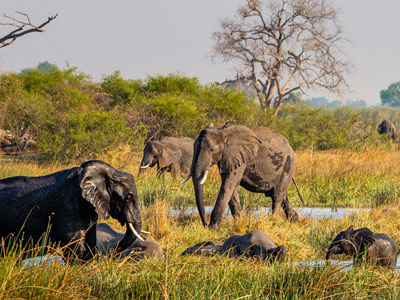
<point x="348" y="176"/>
<point x="391" y="96"/>
<point x="69" y="116"/>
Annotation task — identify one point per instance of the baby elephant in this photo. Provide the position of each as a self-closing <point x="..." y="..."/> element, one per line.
<point x="377" y="248"/>
<point x="108" y="239"/>
<point x="252" y="244"/>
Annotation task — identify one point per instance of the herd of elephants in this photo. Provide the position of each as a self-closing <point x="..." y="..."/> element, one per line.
<point x="64" y="207"/>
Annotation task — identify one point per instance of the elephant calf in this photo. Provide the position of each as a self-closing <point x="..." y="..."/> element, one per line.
<point x="108" y="239"/>
<point x="252" y="244"/>
<point x="374" y="248"/>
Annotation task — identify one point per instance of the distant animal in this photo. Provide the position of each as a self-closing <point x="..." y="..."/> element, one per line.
<point x="170" y="154"/>
<point x="364" y="245"/>
<point x="67" y="204"/>
<point x="108" y="239"/>
<point x="260" y="160"/>
<point x="254" y="244"/>
<point x="387" y="127"/>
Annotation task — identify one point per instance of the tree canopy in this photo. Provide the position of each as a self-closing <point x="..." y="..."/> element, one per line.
<point x="284" y="46"/>
<point x="391" y="96"/>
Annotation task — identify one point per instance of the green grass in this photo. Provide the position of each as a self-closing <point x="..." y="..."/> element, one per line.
<point x="325" y="178"/>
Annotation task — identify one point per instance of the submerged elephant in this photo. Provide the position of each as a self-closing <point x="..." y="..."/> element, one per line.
<point x="108" y="239"/>
<point x="67" y="204"/>
<point x="254" y="244"/>
<point x="170" y="154"/>
<point x="387" y="126"/>
<point x="260" y="160"/>
<point x="375" y="248"/>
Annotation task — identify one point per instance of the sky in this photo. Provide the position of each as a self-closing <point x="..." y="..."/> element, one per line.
<point x="158" y="37"/>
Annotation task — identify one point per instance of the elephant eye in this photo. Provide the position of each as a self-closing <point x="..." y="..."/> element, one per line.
<point x="211" y="149"/>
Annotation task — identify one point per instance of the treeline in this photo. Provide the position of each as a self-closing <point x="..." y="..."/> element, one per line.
<point x="69" y="116"/>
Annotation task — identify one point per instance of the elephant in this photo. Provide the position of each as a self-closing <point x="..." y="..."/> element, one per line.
<point x="170" y="154"/>
<point x="254" y="244"/>
<point x="65" y="206"/>
<point x="203" y="248"/>
<point x="260" y="160"/>
<point x="376" y="248"/>
<point x="108" y="239"/>
<point x="387" y="126"/>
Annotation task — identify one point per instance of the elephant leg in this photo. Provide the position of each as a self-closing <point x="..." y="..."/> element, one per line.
<point x="234" y="204"/>
<point x="290" y="213"/>
<point x="90" y="242"/>
<point x="230" y="183"/>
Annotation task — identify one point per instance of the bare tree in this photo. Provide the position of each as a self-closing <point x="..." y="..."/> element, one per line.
<point x="21" y="28"/>
<point x="284" y="46"/>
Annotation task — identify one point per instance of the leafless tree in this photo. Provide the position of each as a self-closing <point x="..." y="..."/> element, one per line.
<point x="284" y="46"/>
<point x="21" y="27"/>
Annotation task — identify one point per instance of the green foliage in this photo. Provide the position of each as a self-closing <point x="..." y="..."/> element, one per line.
<point x="123" y="91"/>
<point x="70" y="116"/>
<point x="391" y="96"/>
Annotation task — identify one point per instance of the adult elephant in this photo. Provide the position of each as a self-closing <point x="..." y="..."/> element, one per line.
<point x="67" y="204"/>
<point x="387" y="126"/>
<point x="261" y="161"/>
<point x="170" y="154"/>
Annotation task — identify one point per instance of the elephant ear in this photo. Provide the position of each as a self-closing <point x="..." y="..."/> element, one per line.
<point x="363" y="238"/>
<point x="95" y="184"/>
<point x="170" y="154"/>
<point x="241" y="146"/>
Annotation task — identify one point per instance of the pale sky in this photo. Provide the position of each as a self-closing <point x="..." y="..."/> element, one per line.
<point x="158" y="37"/>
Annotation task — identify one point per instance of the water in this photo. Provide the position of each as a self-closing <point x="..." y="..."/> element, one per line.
<point x="305" y="212"/>
<point x="345" y="265"/>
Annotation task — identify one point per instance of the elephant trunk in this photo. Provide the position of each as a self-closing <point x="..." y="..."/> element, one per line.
<point x="130" y="236"/>
<point x="329" y="252"/>
<point x="199" y="193"/>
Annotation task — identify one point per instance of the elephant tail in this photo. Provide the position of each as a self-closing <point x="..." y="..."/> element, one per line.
<point x="298" y="191"/>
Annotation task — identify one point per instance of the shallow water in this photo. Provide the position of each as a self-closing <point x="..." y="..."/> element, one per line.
<point x="305" y="212"/>
<point x="345" y="265"/>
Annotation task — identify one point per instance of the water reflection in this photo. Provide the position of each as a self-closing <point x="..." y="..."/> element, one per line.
<point x="345" y="265"/>
<point x="305" y="212"/>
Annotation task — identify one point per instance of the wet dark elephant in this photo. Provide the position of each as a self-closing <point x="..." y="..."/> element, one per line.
<point x="170" y="154"/>
<point x="108" y="239"/>
<point x="255" y="244"/>
<point x="259" y="160"/>
<point x="375" y="248"/>
<point x="387" y="127"/>
<point x="68" y="204"/>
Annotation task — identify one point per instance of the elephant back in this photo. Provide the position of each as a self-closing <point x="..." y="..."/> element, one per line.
<point x="237" y="245"/>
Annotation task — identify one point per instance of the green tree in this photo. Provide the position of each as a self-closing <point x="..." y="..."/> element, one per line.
<point x="391" y="96"/>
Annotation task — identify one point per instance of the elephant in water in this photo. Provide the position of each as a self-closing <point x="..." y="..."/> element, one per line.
<point x="67" y="204"/>
<point x="260" y="160"/>
<point x="170" y="154"/>
<point x="252" y="244"/>
<point x="108" y="239"/>
<point x="375" y="248"/>
<point x="387" y="126"/>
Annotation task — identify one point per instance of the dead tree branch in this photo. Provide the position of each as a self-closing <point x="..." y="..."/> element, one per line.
<point x="21" y="28"/>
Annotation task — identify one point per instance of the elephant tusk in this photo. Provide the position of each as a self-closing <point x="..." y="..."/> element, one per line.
<point x="144" y="232"/>
<point x="186" y="179"/>
<point x="134" y="232"/>
<point x="204" y="177"/>
<point x="144" y="167"/>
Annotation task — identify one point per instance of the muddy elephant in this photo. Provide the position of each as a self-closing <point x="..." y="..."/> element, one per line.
<point x="67" y="204"/>
<point x="254" y="244"/>
<point x="388" y="127"/>
<point x="364" y="245"/>
<point x="170" y="154"/>
<point x="108" y="239"/>
<point x="260" y="160"/>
